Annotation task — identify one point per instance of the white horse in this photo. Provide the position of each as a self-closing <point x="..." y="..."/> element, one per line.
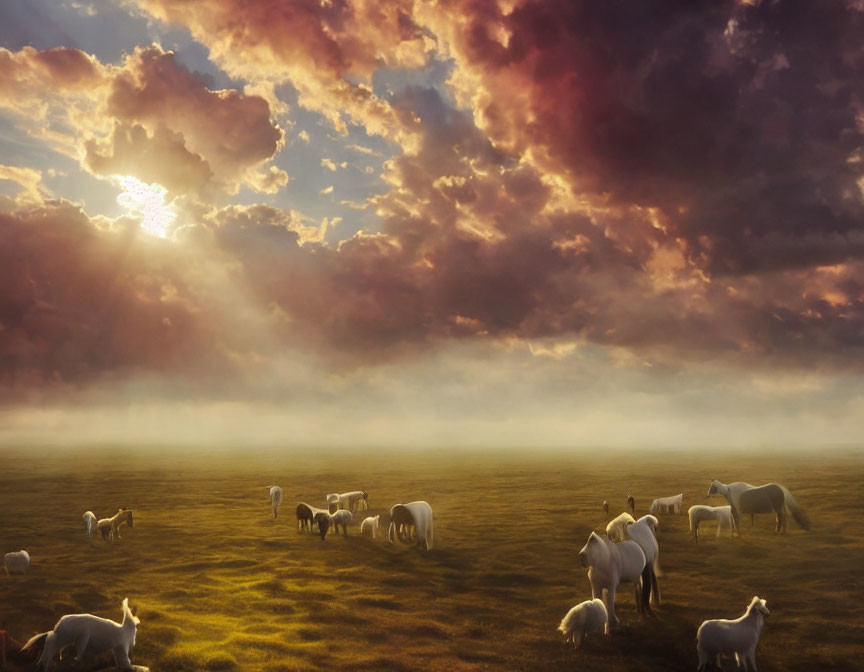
<point x="616" y="529"/>
<point x="699" y="513"/>
<point x="609" y="565"/>
<point x="585" y="617"/>
<point x="370" y="523"/>
<point x="109" y="528"/>
<point x="87" y="633"/>
<point x="769" y="498"/>
<point x="644" y="533"/>
<point x="667" y="504"/>
<point x="275" y="499"/>
<point x="739" y="637"/>
<point x="356" y="500"/>
<point x="416" y="515"/>
<point x="90" y="522"/>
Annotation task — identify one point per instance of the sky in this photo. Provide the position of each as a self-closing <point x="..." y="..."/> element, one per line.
<point x="498" y="224"/>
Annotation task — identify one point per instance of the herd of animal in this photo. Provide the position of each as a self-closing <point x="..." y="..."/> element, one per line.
<point x="628" y="554"/>
<point x="409" y="523"/>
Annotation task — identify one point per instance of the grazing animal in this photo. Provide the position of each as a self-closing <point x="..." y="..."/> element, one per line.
<point x="307" y="515"/>
<point x="609" y="565"/>
<point x="109" y="528"/>
<point x="17" y="562"/>
<point x="585" y="617"/>
<point x="739" y="637"/>
<point x="357" y="500"/>
<point x="344" y="518"/>
<point x="667" y="504"/>
<point x="616" y="529"/>
<point x="275" y="499"/>
<point x="87" y="633"/>
<point x="631" y="503"/>
<point x="606" y="507"/>
<point x="644" y="533"/>
<point x="700" y="513"/>
<point x="771" y="498"/>
<point x="90" y="522"/>
<point x="417" y="515"/>
<point x="322" y="520"/>
<point x="370" y="523"/>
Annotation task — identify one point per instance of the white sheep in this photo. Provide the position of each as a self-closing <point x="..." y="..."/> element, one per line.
<point x="722" y="637"/>
<point x="588" y="616"/>
<point x="342" y="517"/>
<point x="87" y="633"/>
<point x="17" y="562"/>
<point x="370" y="523"/>
<point x="699" y="514"/>
<point x="90" y="522"/>
<point x="616" y="529"/>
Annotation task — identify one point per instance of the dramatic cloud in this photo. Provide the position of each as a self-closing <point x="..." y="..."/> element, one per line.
<point x="149" y="117"/>
<point x="675" y="185"/>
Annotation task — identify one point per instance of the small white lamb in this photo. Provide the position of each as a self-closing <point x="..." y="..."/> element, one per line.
<point x="87" y="633"/>
<point x="17" y="562"/>
<point x="722" y="637"/>
<point x="370" y="523"/>
<point x="585" y="617"/>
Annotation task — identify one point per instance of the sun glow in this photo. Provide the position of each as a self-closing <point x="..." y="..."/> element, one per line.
<point x="147" y="202"/>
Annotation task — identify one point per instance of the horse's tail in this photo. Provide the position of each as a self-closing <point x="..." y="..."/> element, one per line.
<point x="656" y="564"/>
<point x="35" y="645"/>
<point x="797" y="512"/>
<point x="391" y="531"/>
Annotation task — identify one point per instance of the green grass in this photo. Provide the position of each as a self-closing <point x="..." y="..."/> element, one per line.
<point x="219" y="585"/>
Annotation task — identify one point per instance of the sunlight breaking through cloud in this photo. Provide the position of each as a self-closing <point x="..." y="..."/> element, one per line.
<point x="147" y="202"/>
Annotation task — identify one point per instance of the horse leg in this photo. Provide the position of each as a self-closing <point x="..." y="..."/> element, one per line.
<point x="646" y="590"/>
<point x="81" y="646"/>
<point x="610" y="604"/>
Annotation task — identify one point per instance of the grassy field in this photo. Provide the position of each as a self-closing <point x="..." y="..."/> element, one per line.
<point x="219" y="585"/>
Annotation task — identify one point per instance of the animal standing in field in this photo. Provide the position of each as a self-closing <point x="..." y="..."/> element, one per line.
<point x="417" y="515"/>
<point x="109" y="528"/>
<point x="88" y="634"/>
<point x="699" y="513"/>
<point x="307" y="515"/>
<point x="17" y="562"/>
<point x="616" y="529"/>
<point x="609" y="565"/>
<point x="605" y="507"/>
<point x="90" y="522"/>
<point x="644" y="533"/>
<point x="631" y="503"/>
<point x="585" y="617"/>
<point x="358" y="500"/>
<point x="275" y="499"/>
<point x="770" y="498"/>
<point x="739" y="637"/>
<point x="667" y="504"/>
<point x="370" y="523"/>
<point x="344" y="518"/>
